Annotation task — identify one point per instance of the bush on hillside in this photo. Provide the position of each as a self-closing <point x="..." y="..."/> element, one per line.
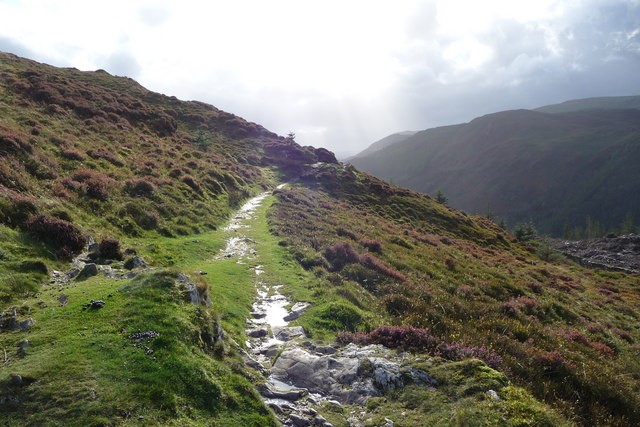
<point x="110" y="249"/>
<point x="91" y="183"/>
<point x="63" y="235"/>
<point x="16" y="208"/>
<point x="340" y="255"/>
<point x="140" y="187"/>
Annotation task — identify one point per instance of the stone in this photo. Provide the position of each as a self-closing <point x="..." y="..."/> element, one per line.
<point x="258" y="333"/>
<point x="72" y="273"/>
<point x="319" y="420"/>
<point x="290" y="395"/>
<point x="325" y="350"/>
<point x="95" y="304"/>
<point x="493" y="394"/>
<point x="296" y="311"/>
<point x="388" y="423"/>
<point x="288" y="332"/>
<point x="87" y="271"/>
<point x="63" y="299"/>
<point x="135" y="262"/>
<point x="25" y="325"/>
<point x="22" y="348"/>
<point x="299" y="421"/>
<point x="16" y="379"/>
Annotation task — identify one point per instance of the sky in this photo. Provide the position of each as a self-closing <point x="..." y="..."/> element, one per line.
<point x="342" y="74"/>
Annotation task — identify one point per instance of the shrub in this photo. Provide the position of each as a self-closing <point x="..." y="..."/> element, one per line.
<point x="340" y="316"/>
<point x="17" y="208"/>
<point x="93" y="184"/>
<point x="397" y="304"/>
<point x="192" y="183"/>
<point x="110" y="249"/>
<point x="346" y="233"/>
<point x="374" y="263"/>
<point x="65" y="236"/>
<point x="340" y="255"/>
<point x="450" y="263"/>
<point x="372" y="245"/>
<point x="141" y="215"/>
<point x="553" y="363"/>
<point x="140" y="187"/>
<point x="71" y="154"/>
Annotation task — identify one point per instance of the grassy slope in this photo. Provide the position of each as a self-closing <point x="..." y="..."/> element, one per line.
<point x="553" y="169"/>
<point x="562" y="332"/>
<point x="457" y="275"/>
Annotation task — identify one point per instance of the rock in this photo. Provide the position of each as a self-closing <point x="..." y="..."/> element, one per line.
<point x="299" y="421"/>
<point x="135" y="262"/>
<point x="388" y="422"/>
<point x="296" y="311"/>
<point x="325" y="349"/>
<point x="190" y="288"/>
<point x="289" y="332"/>
<point x="493" y="394"/>
<point x="72" y="273"/>
<point x="258" y="333"/>
<point x="290" y="395"/>
<point x="87" y="271"/>
<point x="309" y="411"/>
<point x="258" y="315"/>
<point x="16" y="380"/>
<point x="22" y="348"/>
<point x="25" y="325"/>
<point x="95" y="304"/>
<point x="319" y="420"/>
<point x="621" y="253"/>
<point x="63" y="299"/>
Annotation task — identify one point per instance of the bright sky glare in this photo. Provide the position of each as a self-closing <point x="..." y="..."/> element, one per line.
<point x="342" y="74"/>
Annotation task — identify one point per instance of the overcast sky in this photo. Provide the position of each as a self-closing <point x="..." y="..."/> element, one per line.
<point x="343" y="74"/>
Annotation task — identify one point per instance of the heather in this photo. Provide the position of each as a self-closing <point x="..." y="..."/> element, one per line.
<point x="457" y="286"/>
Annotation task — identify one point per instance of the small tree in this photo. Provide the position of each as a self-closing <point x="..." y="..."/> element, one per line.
<point x="291" y="136"/>
<point x="524" y="232"/>
<point x="441" y="198"/>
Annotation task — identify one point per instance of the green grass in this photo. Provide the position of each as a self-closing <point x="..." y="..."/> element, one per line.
<point x="82" y="368"/>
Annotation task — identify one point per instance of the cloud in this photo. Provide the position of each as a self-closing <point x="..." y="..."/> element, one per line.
<point x="122" y="63"/>
<point x="12" y="46"/>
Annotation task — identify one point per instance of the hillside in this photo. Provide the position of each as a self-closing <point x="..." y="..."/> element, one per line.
<point x="571" y="173"/>
<point x="387" y="141"/>
<point x="164" y="263"/>
<point x="599" y="103"/>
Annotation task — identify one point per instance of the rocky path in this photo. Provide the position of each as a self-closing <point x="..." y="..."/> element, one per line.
<point x="302" y="377"/>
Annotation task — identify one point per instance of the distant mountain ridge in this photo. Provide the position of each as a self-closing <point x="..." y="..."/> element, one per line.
<point x="387" y="141"/>
<point x="598" y="103"/>
<point x="565" y="171"/>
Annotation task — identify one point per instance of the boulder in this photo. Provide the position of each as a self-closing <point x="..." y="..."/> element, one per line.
<point x="296" y="311"/>
<point x="287" y="333"/>
<point x="258" y="333"/>
<point x="299" y="421"/>
<point x="87" y="271"/>
<point x="135" y="262"/>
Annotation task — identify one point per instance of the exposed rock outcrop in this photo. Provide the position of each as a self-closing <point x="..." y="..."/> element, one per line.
<point x="620" y="253"/>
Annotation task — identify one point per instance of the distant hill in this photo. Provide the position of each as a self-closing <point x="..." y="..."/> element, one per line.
<point x="564" y="171"/>
<point x="599" y="103"/>
<point x="387" y="141"/>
